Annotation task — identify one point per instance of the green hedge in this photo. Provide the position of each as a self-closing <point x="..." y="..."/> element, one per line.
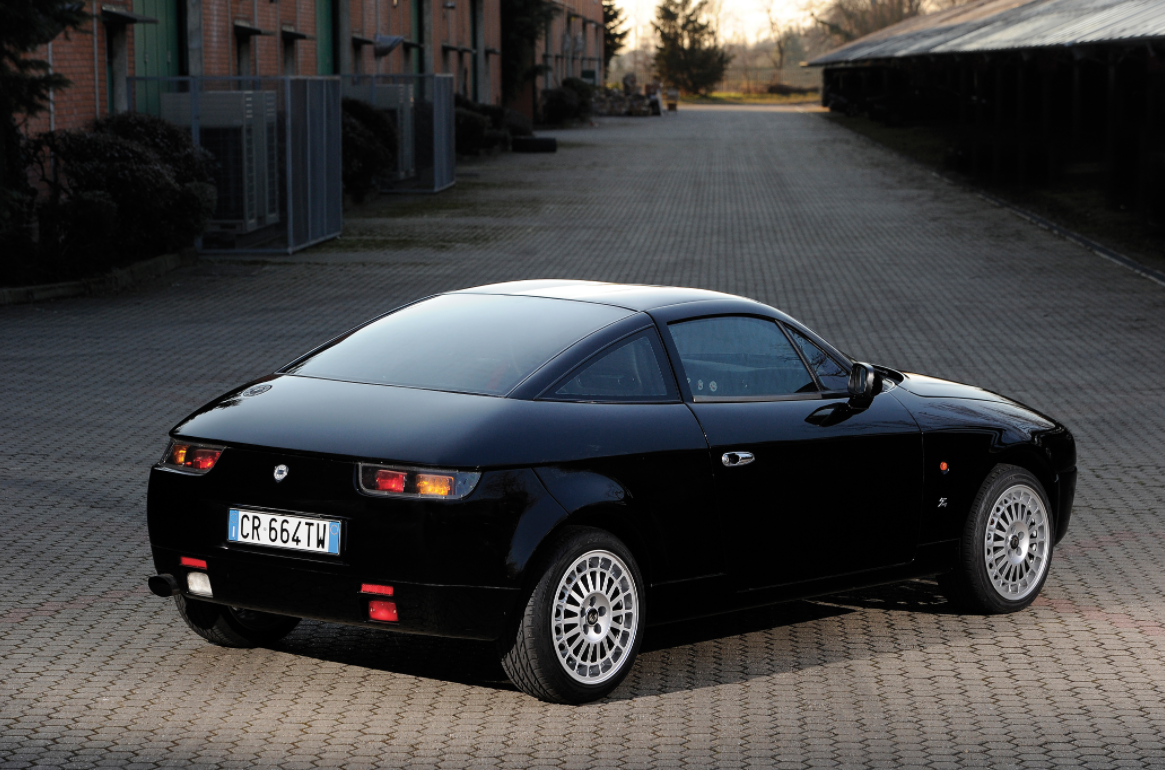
<point x="131" y="187"/>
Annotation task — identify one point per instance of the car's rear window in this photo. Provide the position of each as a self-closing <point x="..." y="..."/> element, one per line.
<point x="466" y="343"/>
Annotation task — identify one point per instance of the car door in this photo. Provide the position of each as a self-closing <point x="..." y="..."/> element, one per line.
<point x="808" y="485"/>
<point x="668" y="492"/>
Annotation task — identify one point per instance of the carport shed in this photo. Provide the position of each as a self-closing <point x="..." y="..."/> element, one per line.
<point x="1038" y="91"/>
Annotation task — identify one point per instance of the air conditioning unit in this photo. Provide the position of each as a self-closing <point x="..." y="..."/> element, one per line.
<point x="240" y="128"/>
<point x="397" y="101"/>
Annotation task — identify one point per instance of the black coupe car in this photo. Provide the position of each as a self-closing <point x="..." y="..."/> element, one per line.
<point x="556" y="466"/>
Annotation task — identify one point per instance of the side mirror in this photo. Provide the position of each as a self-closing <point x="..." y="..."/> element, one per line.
<point x="863" y="381"/>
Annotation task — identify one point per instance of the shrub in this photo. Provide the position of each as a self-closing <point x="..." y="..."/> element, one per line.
<point x="559" y="105"/>
<point x="496" y="115"/>
<point x="113" y="200"/>
<point x="368" y="138"/>
<point x="494" y="139"/>
<point x="171" y="142"/>
<point x="470" y="128"/>
<point x="517" y="124"/>
<point x="585" y="93"/>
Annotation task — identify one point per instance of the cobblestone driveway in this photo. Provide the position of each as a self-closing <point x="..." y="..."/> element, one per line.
<point x="885" y="259"/>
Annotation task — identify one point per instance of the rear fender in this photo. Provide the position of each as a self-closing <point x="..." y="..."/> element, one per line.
<point x="589" y="499"/>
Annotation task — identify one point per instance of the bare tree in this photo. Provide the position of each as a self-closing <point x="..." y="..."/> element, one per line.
<point x="847" y="20"/>
<point x="781" y="35"/>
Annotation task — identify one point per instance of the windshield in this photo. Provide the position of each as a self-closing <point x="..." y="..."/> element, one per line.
<point x="466" y="343"/>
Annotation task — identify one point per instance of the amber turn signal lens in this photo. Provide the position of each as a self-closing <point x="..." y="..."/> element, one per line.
<point x="942" y="467"/>
<point x="390" y="481"/>
<point x="432" y="484"/>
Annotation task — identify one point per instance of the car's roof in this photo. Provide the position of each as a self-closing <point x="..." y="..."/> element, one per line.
<point x="631" y="296"/>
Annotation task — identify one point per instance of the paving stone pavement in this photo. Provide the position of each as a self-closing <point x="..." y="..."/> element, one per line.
<point x="879" y="255"/>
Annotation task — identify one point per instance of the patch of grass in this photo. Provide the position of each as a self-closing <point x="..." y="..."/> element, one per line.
<point x="1076" y="205"/>
<point x="730" y="97"/>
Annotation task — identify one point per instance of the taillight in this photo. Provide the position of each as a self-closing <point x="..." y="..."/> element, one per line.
<point x="195" y="458"/>
<point x="369" y="588"/>
<point x="405" y="482"/>
<point x="390" y="481"/>
<point x="190" y="561"/>
<point x="434" y="484"/>
<point x="383" y="611"/>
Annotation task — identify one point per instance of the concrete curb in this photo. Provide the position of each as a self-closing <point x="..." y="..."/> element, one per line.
<point x="119" y="278"/>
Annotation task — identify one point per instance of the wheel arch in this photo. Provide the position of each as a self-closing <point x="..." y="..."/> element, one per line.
<point x="1030" y="458"/>
<point x="610" y="518"/>
<point x="613" y="519"/>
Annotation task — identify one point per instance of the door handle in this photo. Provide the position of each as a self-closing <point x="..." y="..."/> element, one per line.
<point x="732" y="459"/>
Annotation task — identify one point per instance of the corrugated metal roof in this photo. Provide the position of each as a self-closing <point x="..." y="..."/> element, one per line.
<point x="996" y="25"/>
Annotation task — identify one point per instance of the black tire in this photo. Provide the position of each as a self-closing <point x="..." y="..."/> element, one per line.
<point x="970" y="585"/>
<point x="231" y="627"/>
<point x="530" y="655"/>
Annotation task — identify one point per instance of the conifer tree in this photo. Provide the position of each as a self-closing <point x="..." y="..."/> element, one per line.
<point x="688" y="56"/>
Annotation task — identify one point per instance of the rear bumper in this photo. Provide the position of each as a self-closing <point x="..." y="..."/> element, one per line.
<point x="310" y="591"/>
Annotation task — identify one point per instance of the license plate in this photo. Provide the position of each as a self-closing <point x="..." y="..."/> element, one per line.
<point x="278" y="531"/>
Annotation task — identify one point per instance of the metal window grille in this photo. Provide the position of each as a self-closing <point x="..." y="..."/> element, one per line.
<point x="421" y="109"/>
<point x="277" y="143"/>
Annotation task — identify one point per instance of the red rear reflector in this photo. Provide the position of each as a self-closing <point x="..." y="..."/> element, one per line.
<point x="385" y="611"/>
<point x="186" y="561"/>
<point x="390" y="481"/>
<point x="432" y="484"/>
<point x="368" y="588"/>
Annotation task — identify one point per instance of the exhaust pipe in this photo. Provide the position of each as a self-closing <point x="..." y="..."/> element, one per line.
<point x="164" y="585"/>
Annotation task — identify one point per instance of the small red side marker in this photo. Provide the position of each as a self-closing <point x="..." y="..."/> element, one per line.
<point x="368" y="588"/>
<point x="187" y="561"/>
<point x="385" y="611"/>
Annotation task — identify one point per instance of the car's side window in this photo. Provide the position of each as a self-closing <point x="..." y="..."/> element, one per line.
<point x="627" y="371"/>
<point x="731" y="357"/>
<point x="832" y="376"/>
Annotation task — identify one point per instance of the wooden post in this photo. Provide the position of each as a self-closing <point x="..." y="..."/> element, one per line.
<point x="1112" y="129"/>
<point x="997" y="133"/>
<point x="1076" y="140"/>
<point x="1020" y="142"/>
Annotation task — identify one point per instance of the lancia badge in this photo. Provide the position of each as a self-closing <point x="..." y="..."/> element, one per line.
<point x="280" y="472"/>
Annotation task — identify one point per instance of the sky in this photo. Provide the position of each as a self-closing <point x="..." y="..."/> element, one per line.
<point x="738" y="18"/>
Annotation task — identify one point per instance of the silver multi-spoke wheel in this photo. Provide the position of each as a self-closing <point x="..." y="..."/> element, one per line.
<point x="595" y="617"/>
<point x="1015" y="545"/>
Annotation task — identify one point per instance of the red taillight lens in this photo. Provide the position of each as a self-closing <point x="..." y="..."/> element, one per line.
<point x="187" y="561"/>
<point x="368" y="588"/>
<point x="201" y="458"/>
<point x="390" y="481"/>
<point x="385" y="611"/>
<point x="192" y="457"/>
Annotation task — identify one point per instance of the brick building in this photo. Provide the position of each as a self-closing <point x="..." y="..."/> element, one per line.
<point x="571" y="47"/>
<point x="267" y="38"/>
